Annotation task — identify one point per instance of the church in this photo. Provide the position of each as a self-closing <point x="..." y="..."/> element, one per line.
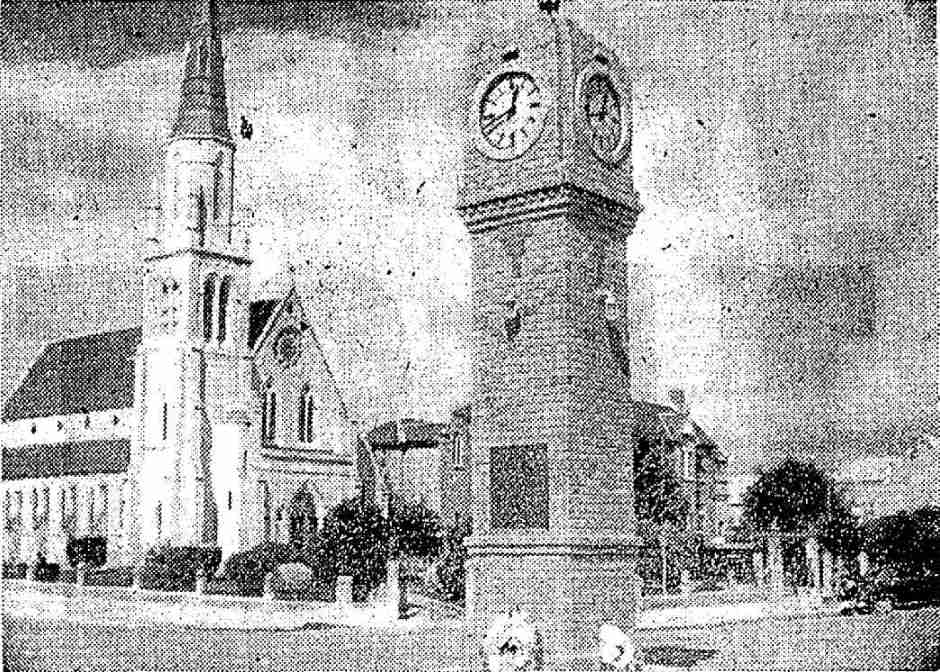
<point x="215" y="422"/>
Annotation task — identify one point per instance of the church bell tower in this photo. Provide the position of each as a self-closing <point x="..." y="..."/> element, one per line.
<point x="547" y="196"/>
<point x="193" y="361"/>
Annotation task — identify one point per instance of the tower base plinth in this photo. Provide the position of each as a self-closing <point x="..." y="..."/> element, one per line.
<point x="569" y="587"/>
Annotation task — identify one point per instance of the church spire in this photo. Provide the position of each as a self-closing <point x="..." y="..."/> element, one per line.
<point x="203" y="112"/>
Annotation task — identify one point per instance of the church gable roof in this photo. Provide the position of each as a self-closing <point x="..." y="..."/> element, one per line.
<point x="95" y="372"/>
<point x="259" y="315"/>
<point x="78" y="375"/>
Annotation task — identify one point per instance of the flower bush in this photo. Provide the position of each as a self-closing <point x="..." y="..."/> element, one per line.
<point x="617" y="650"/>
<point x="512" y="643"/>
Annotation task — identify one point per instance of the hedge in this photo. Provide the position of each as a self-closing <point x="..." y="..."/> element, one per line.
<point x="174" y="568"/>
<point x="87" y="551"/>
<point x="247" y="569"/>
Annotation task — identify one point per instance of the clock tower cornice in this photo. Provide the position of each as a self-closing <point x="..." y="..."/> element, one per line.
<point x="561" y="200"/>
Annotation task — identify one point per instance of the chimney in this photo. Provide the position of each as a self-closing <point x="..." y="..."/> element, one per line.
<point x="677" y="400"/>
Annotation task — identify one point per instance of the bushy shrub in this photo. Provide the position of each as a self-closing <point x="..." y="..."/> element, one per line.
<point x="14" y="570"/>
<point x="47" y="571"/>
<point x="353" y="541"/>
<point x="248" y="568"/>
<point x="451" y="567"/>
<point x="87" y="551"/>
<point x="415" y="529"/>
<point x="175" y="568"/>
<point x="908" y="542"/>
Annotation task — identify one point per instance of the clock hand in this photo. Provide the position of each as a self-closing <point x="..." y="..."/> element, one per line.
<point x="492" y="123"/>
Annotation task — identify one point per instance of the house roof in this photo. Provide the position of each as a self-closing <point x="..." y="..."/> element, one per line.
<point x="80" y="458"/>
<point x="405" y="433"/>
<point x="656" y="421"/>
<point x="94" y="372"/>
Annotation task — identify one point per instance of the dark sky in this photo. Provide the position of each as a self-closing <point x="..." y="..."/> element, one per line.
<point x="785" y="264"/>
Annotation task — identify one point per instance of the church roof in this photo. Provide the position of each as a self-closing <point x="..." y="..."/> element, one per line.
<point x="258" y="318"/>
<point x="78" y="458"/>
<point x="78" y="375"/>
<point x="203" y="112"/>
<point x="94" y="372"/>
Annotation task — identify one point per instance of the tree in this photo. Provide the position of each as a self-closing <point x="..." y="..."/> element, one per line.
<point x="908" y="542"/>
<point x="415" y="529"/>
<point x="799" y="498"/>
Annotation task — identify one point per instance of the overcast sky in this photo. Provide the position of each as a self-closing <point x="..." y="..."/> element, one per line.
<point x="784" y="267"/>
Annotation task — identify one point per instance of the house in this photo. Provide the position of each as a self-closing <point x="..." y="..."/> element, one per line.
<point x="407" y="457"/>
<point x="699" y="464"/>
<point x="425" y="461"/>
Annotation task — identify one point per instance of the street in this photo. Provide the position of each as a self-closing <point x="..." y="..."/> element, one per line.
<point x="900" y="640"/>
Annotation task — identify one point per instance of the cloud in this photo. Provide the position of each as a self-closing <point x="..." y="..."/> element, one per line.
<point x="773" y="146"/>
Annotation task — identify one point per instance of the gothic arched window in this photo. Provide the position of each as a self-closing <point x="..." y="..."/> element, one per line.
<point x="272" y="415"/>
<point x="268" y="414"/>
<point x="203" y="58"/>
<point x="223" y="308"/>
<point x="208" y="299"/>
<point x="302" y="414"/>
<point x="310" y="411"/>
<point x="217" y="189"/>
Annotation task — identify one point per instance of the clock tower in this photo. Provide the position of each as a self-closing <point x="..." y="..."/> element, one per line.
<point x="193" y="364"/>
<point x="547" y="196"/>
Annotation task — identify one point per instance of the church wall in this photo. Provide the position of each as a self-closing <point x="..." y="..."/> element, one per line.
<point x="41" y="513"/>
<point x="29" y="530"/>
<point x="100" y="425"/>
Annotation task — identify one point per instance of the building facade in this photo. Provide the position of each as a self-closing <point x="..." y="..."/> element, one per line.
<point x="217" y="421"/>
<point x="696" y="461"/>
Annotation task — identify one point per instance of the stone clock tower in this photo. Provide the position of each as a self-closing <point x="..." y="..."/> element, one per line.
<point x="547" y="195"/>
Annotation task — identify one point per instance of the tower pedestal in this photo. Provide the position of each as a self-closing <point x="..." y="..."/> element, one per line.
<point x="569" y="587"/>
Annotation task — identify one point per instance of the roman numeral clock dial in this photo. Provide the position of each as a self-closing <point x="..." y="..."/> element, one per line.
<point x="511" y="114"/>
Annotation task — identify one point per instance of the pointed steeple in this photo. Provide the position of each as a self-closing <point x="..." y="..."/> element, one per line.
<point x="203" y="112"/>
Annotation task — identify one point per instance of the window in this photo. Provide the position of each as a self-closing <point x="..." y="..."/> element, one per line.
<point x="34" y="505"/>
<point x="229" y="500"/>
<point x="302" y="416"/>
<point x="268" y="415"/>
<point x="310" y="410"/>
<point x="103" y="513"/>
<point x="266" y="508"/>
<point x="272" y="415"/>
<point x="208" y="299"/>
<point x="687" y="462"/>
<point x="457" y="449"/>
<point x="158" y="520"/>
<point x="217" y="189"/>
<point x="223" y="308"/>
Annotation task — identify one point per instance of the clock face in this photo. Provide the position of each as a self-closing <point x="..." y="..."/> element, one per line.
<point x="602" y="108"/>
<point x="511" y="113"/>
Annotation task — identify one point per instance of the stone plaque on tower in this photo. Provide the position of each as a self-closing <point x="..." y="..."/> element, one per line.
<point x="547" y="196"/>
